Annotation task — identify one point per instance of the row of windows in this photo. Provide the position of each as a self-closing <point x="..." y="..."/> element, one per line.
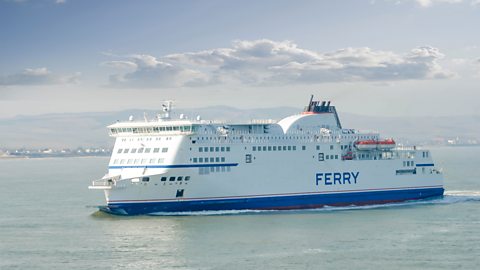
<point x="151" y="129"/>
<point x="141" y="150"/>
<point x="216" y="138"/>
<point x="276" y="148"/>
<point x="214" y="149"/>
<point x="139" y="161"/>
<point x="173" y="178"/>
<point x="206" y="159"/>
<point x="208" y="170"/>
<point x="322" y="157"/>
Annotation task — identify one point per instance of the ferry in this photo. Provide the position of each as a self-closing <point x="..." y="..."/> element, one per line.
<point x="307" y="160"/>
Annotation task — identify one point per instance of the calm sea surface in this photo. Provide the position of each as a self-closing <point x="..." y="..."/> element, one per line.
<point x="48" y="221"/>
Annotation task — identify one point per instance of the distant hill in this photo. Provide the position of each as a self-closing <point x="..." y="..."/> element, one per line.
<point x="72" y="130"/>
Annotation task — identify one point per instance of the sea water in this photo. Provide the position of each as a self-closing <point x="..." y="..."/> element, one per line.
<point x="49" y="220"/>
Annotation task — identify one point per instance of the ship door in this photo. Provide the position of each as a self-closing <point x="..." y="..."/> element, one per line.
<point x="179" y="193"/>
<point x="248" y="158"/>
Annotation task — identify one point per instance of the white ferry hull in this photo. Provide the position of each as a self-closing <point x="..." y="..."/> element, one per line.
<point x="248" y="186"/>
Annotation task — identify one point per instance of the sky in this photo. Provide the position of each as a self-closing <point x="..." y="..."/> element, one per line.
<point x="381" y="58"/>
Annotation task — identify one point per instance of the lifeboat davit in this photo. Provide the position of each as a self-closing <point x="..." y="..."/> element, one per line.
<point x="374" y="144"/>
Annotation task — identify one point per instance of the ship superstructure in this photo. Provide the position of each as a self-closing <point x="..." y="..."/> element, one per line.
<point x="306" y="160"/>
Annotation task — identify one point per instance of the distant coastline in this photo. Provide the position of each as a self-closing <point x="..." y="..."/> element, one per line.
<point x="50" y="153"/>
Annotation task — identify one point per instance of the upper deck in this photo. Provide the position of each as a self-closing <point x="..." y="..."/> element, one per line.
<point x="317" y="118"/>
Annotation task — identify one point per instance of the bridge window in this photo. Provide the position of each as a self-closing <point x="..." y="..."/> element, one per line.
<point x="187" y="178"/>
<point x="129" y="161"/>
<point x="152" y="160"/>
<point x="134" y="150"/>
<point x="119" y="151"/>
<point x="172" y="178"/>
<point x="180" y="178"/>
<point x="156" y="150"/>
<point x="140" y="150"/>
<point x="125" y="151"/>
<point x="163" y="179"/>
<point x="164" y="150"/>
<point x="147" y="150"/>
<point x="161" y="160"/>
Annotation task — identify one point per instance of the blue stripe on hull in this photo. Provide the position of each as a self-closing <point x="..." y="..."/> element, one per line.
<point x="275" y="203"/>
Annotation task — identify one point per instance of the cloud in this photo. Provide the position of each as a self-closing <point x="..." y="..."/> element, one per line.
<point x="149" y="72"/>
<point x="120" y="64"/>
<point x="430" y="3"/>
<point x="267" y="62"/>
<point x="37" y="76"/>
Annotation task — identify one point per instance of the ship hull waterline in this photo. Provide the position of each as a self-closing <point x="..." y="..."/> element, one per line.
<point x="308" y="201"/>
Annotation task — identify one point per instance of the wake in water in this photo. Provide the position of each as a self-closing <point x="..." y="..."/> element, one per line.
<point x="450" y="197"/>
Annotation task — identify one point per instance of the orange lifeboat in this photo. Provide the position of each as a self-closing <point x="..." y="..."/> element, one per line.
<point x="374" y="144"/>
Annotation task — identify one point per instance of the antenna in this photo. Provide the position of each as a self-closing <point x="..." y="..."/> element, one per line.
<point x="310" y="103"/>
<point x="167" y="107"/>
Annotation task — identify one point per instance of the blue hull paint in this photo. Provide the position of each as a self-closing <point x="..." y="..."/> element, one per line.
<point x="274" y="203"/>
